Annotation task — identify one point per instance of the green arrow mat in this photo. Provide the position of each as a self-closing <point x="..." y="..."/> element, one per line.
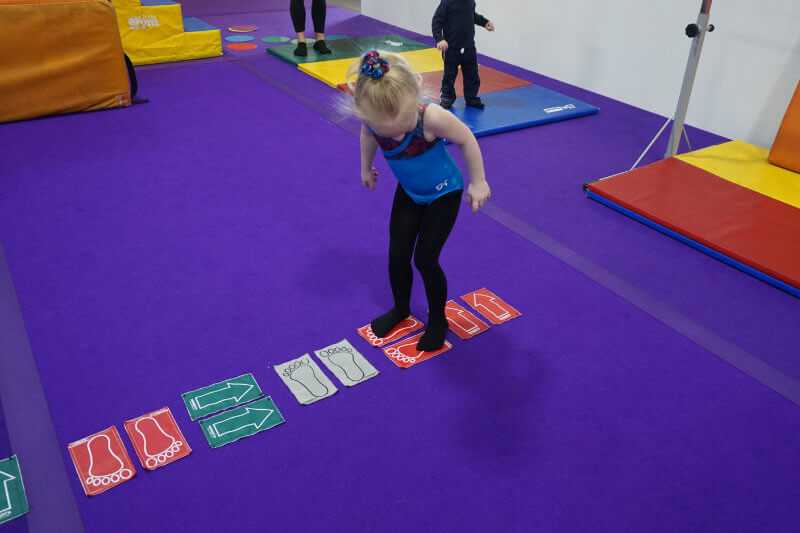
<point x="220" y="396"/>
<point x="241" y="422"/>
<point x="13" y="500"/>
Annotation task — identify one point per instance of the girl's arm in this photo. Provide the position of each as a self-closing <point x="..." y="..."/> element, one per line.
<point x="369" y="176"/>
<point x="445" y="125"/>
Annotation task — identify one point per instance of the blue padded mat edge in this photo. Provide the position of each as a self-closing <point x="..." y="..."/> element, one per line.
<point x="747" y="269"/>
<point x="520" y="108"/>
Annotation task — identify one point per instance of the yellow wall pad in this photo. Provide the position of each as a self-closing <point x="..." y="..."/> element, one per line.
<point x="746" y="165"/>
<point x="334" y="73"/>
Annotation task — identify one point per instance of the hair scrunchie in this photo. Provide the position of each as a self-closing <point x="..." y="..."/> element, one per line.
<point x="373" y="65"/>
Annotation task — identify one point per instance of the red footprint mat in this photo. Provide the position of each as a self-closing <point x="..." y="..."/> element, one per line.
<point x="492" y="307"/>
<point x="405" y="354"/>
<point x="157" y="439"/>
<point x="406" y="327"/>
<point x="462" y="322"/>
<point x="102" y="462"/>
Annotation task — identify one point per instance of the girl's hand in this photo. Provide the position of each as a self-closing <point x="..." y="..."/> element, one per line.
<point x="490" y="26"/>
<point x="369" y="178"/>
<point x="442" y="46"/>
<point x="478" y="194"/>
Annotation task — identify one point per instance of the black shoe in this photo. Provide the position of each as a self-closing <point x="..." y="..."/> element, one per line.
<point x="301" y="50"/>
<point x="321" y="47"/>
<point x="477" y="103"/>
<point x="434" y="336"/>
<point x="446" y="104"/>
<point x="385" y="323"/>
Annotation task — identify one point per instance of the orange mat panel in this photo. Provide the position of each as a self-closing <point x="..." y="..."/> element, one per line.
<point x="67" y="57"/>
<point x="786" y="148"/>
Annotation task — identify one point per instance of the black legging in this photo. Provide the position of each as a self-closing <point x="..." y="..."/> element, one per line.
<point x="421" y="231"/>
<point x="318" y="12"/>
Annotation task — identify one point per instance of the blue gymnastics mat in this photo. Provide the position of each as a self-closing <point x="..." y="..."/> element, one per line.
<point x="520" y="108"/>
<point x="196" y="24"/>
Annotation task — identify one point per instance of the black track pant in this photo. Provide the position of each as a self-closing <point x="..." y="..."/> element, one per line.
<point x="420" y="231"/>
<point x="318" y="12"/>
<point x="468" y="61"/>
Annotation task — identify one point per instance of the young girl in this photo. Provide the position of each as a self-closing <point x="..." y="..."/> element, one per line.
<point x="387" y="97"/>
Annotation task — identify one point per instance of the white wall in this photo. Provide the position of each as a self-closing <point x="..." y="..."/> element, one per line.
<point x="635" y="51"/>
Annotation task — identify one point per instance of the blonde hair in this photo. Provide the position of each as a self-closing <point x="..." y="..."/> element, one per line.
<point x="387" y="93"/>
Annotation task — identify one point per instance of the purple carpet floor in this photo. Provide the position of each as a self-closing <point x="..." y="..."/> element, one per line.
<point x="221" y="229"/>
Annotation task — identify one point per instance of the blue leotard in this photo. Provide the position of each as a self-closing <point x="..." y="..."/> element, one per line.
<point x="425" y="169"/>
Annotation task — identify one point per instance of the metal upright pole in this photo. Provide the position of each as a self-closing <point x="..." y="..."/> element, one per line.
<point x="698" y="34"/>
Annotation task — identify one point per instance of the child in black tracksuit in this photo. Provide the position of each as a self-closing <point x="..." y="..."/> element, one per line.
<point x="454" y="31"/>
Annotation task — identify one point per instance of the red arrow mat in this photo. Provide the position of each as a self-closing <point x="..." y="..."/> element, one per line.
<point x="492" y="307"/>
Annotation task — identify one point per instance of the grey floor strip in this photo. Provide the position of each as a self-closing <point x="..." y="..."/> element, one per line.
<point x="729" y="352"/>
<point x="732" y="354"/>
<point x="30" y="426"/>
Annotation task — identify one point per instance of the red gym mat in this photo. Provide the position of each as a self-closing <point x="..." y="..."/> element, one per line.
<point x="492" y="81"/>
<point x="744" y="226"/>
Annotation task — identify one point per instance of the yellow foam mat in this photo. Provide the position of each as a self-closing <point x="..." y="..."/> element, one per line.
<point x="154" y="34"/>
<point x="334" y="73"/>
<point x="179" y="47"/>
<point x="746" y="165"/>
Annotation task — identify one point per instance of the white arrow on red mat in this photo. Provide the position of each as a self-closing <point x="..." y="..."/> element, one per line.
<point x="505" y="314"/>
<point x="462" y="314"/>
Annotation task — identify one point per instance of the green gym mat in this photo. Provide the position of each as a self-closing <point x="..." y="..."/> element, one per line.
<point x="275" y="39"/>
<point x="346" y="48"/>
<point x="391" y="43"/>
<point x="312" y="40"/>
